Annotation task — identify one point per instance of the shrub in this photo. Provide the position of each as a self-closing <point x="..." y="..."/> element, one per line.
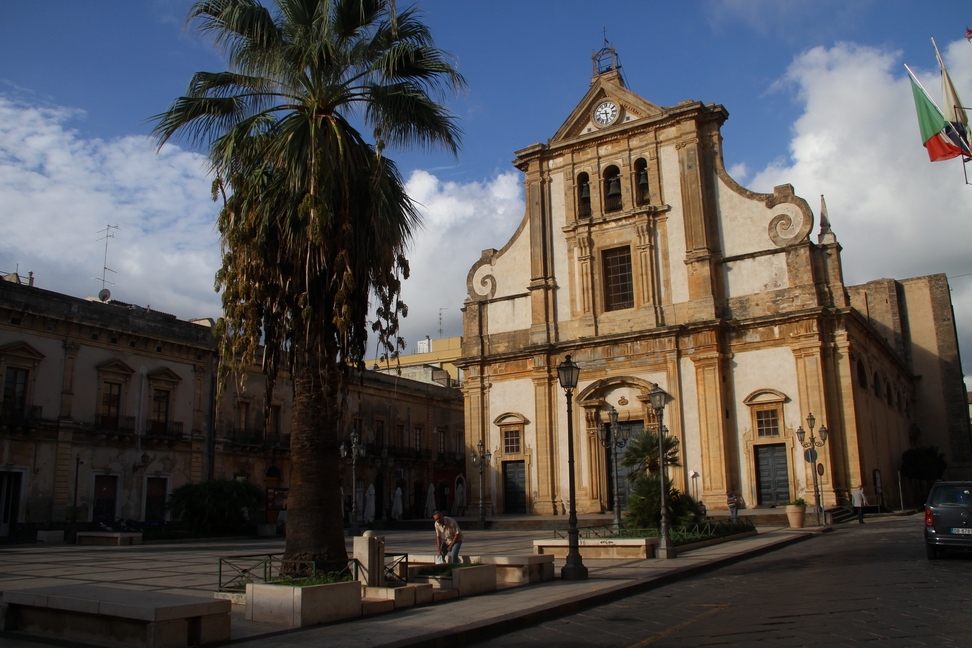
<point x="215" y="505"/>
<point x="644" y="505"/>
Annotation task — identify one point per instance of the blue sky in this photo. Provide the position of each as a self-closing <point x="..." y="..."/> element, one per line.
<point x="816" y="92"/>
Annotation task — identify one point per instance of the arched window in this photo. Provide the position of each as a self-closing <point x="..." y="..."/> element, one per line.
<point x="612" y="189"/>
<point x="583" y="196"/>
<point x="642" y="188"/>
<point x="861" y="374"/>
<point x="877" y="385"/>
<point x="889" y="393"/>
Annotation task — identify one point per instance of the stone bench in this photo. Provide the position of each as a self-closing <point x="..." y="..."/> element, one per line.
<point x="105" y="615"/>
<point x="113" y="538"/>
<point x="521" y="570"/>
<point x="610" y="548"/>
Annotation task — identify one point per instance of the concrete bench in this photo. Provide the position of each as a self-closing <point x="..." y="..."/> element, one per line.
<point x="521" y="570"/>
<point x="49" y="537"/>
<point x="113" y="538"/>
<point x="105" y="615"/>
<point x="610" y="548"/>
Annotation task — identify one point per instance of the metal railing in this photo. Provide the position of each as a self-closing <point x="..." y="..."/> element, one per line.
<point x="235" y="572"/>
<point x="118" y="424"/>
<point x="396" y="569"/>
<point x="164" y="429"/>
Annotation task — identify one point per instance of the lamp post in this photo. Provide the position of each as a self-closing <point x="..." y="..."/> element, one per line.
<point x="658" y="397"/>
<point x="568" y="373"/>
<point x="351" y="456"/>
<point x="481" y="461"/>
<point x="810" y="455"/>
<point x="613" y="438"/>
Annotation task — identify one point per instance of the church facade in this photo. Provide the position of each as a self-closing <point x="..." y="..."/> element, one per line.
<point x="641" y="258"/>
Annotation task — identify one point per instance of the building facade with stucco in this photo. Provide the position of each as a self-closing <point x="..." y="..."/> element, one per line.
<point x="641" y="258"/>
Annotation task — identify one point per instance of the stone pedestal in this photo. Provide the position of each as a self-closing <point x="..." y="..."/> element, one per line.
<point x="369" y="551"/>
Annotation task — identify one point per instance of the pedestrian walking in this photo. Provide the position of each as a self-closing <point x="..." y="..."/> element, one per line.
<point x="859" y="501"/>
<point x="448" y="537"/>
<point x="733" y="503"/>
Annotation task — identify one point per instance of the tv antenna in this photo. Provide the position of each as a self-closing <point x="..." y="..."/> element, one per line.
<point x="440" y="320"/>
<point x="104" y="294"/>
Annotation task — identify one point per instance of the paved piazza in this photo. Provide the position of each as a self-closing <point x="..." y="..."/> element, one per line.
<point x="867" y="585"/>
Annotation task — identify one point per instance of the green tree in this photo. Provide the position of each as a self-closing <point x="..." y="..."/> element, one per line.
<point x="315" y="219"/>
<point x="641" y="453"/>
<point x="644" y="504"/>
<point x="215" y="505"/>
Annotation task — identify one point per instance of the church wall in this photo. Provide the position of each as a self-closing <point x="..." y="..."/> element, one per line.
<point x="675" y="270"/>
<point x="755" y="275"/>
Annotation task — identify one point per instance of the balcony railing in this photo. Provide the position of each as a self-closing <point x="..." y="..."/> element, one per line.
<point x="164" y="429"/>
<point x="20" y="416"/>
<point x="119" y="424"/>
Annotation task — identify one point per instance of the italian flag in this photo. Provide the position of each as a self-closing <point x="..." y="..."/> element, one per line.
<point x="941" y="139"/>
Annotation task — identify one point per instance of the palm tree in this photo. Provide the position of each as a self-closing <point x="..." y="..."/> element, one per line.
<point x="315" y="219"/>
<point x="642" y="453"/>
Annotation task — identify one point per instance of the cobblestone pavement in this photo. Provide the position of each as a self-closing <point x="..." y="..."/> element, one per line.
<point x="192" y="568"/>
<point x="867" y="585"/>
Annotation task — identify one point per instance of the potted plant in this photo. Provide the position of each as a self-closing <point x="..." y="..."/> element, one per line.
<point x="795" y="512"/>
<point x="304" y="601"/>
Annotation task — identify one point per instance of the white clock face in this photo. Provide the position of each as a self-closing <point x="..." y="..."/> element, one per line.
<point x="605" y="113"/>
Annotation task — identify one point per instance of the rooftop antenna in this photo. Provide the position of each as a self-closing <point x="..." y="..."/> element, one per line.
<point x="440" y="320"/>
<point x="104" y="294"/>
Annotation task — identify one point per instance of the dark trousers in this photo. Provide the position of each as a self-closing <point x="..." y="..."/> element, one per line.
<point x="860" y="513"/>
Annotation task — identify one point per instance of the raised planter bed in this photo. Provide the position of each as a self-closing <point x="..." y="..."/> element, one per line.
<point x="297" y="606"/>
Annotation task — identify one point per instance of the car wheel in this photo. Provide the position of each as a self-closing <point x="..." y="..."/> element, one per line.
<point x="931" y="552"/>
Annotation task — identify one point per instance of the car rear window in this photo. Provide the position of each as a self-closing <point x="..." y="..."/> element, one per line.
<point x="951" y="496"/>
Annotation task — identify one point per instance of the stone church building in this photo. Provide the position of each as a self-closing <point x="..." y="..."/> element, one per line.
<point x="640" y="257"/>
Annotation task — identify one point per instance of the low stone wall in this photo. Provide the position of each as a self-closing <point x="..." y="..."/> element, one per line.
<point x="298" y="606"/>
<point x="609" y="548"/>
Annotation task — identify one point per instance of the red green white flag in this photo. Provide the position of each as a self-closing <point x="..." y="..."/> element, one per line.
<point x="938" y="135"/>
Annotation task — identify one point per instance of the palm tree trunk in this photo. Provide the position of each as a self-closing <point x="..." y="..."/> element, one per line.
<point x="315" y="529"/>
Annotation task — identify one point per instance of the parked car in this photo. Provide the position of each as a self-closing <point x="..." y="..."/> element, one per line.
<point x="948" y="518"/>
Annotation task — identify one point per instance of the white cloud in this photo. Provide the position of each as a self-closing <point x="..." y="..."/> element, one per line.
<point x="460" y="220"/>
<point x="58" y="190"/>
<point x="857" y="142"/>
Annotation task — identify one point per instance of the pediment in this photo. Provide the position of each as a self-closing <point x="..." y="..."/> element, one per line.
<point x="766" y="395"/>
<point x="632" y="109"/>
<point x="23" y="351"/>
<point x="510" y="418"/>
<point x="164" y="374"/>
<point x="115" y="366"/>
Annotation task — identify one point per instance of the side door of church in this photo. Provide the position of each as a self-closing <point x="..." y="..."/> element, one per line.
<point x="772" y="479"/>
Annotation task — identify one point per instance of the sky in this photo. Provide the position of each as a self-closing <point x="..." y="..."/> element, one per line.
<point x="816" y="91"/>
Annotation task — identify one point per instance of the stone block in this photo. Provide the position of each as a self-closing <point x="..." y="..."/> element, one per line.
<point x="609" y="548"/>
<point x="298" y="606"/>
<point x="444" y="594"/>
<point x="423" y="593"/>
<point x="402" y="596"/>
<point x="49" y="537"/>
<point x="473" y="580"/>
<point x="376" y="606"/>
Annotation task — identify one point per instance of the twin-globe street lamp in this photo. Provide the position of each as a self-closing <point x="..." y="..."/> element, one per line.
<point x="658" y="398"/>
<point x="481" y="461"/>
<point x="614" y="437"/>
<point x="810" y="455"/>
<point x="574" y="569"/>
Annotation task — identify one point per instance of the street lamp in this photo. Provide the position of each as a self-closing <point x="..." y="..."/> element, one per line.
<point x="574" y="569"/>
<point x="810" y="455"/>
<point x="614" y="437"/>
<point x="351" y="456"/>
<point x="658" y="397"/>
<point x="481" y="461"/>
